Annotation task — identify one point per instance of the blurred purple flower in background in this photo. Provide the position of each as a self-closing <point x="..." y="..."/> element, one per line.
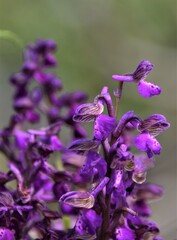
<point x="99" y="181"/>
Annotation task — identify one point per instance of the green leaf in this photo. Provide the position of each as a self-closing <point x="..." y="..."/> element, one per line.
<point x="8" y="35"/>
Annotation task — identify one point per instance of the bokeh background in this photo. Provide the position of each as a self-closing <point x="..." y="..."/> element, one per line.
<point x="98" y="38"/>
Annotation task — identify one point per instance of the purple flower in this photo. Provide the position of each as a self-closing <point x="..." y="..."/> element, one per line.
<point x="83" y="145"/>
<point x="124" y="233"/>
<point x="78" y="199"/>
<point x="98" y="182"/>
<point x="116" y="181"/>
<point x="104" y="125"/>
<point x="143" y="69"/>
<point x="141" y="164"/>
<point x="87" y="223"/>
<point x="145" y="89"/>
<point x="148" y="192"/>
<point x="6" y="234"/>
<point x="88" y="112"/>
<point x="94" y="167"/>
<point x="128" y="117"/>
<point x="154" y="124"/>
<point x="146" y="142"/>
<point x="22" y="139"/>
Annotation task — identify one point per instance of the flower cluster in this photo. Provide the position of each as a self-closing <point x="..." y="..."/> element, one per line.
<point x="99" y="182"/>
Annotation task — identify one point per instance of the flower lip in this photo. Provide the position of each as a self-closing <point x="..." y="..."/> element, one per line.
<point x="147" y="89"/>
<point x="6" y="234"/>
<point x="149" y="144"/>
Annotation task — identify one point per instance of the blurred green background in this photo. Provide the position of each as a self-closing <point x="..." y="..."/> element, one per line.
<point x="98" y="38"/>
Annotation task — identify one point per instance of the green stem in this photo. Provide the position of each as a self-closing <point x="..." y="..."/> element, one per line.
<point x="118" y="96"/>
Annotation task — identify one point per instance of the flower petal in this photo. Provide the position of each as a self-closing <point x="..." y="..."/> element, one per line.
<point x="142" y="163"/>
<point x="143" y="69"/>
<point x="126" y="118"/>
<point x="6" y="234"/>
<point x="154" y="124"/>
<point x="124" y="233"/>
<point x="154" y="145"/>
<point x="83" y="112"/>
<point x="147" y="89"/>
<point x="104" y="125"/>
<point x="78" y="199"/>
<point x="148" y="192"/>
<point x="94" y="167"/>
<point x="140" y="141"/>
<point x="83" y="145"/>
<point x="123" y="78"/>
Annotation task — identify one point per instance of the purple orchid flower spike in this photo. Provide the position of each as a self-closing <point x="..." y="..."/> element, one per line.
<point x="98" y="180"/>
<point x="145" y="89"/>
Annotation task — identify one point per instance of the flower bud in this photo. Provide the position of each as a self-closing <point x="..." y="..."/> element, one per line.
<point x="23" y="103"/>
